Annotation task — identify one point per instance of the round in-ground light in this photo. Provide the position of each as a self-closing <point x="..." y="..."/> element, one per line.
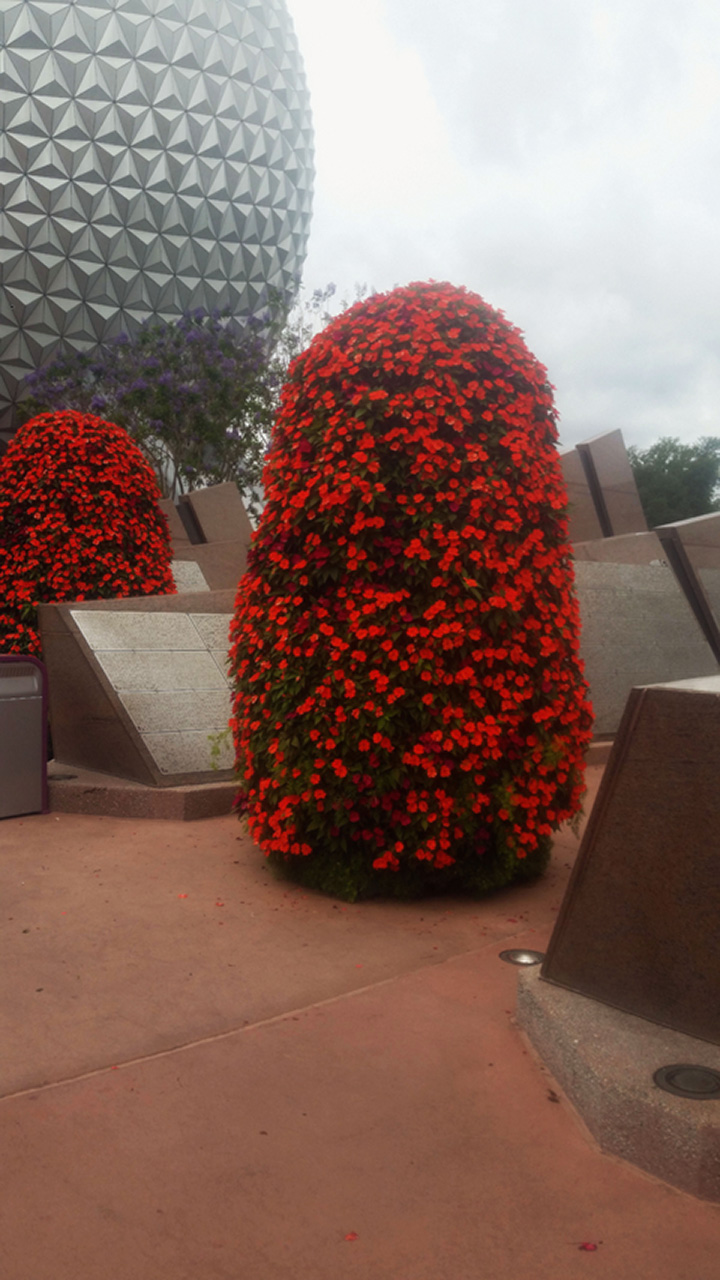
<point x="521" y="955"/>
<point x="688" y="1080"/>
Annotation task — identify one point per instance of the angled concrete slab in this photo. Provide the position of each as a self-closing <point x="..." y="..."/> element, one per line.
<point x="122" y="675"/>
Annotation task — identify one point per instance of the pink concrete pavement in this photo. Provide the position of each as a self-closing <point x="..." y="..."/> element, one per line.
<point x="207" y="1073"/>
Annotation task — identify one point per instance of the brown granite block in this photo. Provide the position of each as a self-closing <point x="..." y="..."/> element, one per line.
<point x="220" y="514"/>
<point x="608" y="467"/>
<point x="638" y="927"/>
<point x="584" y="523"/>
<point x="222" y="564"/>
<point x="178" y="533"/>
<point x="628" y="548"/>
<point x="700" y="538"/>
<point x="693" y="549"/>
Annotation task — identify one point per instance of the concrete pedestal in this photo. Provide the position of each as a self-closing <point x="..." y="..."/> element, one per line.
<point x="605" y="1060"/>
<point x="73" y="790"/>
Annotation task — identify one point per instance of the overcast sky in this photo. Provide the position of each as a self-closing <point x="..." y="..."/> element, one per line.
<point x="559" y="157"/>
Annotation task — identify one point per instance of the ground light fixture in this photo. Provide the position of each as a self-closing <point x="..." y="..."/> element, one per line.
<point x="687" y="1080"/>
<point x="521" y="955"/>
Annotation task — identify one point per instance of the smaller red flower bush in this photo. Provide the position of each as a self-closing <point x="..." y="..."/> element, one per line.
<point x="79" y="520"/>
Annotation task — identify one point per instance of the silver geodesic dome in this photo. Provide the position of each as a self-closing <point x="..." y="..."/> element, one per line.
<point x="155" y="158"/>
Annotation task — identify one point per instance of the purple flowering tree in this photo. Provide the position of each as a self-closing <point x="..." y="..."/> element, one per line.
<point x="198" y="395"/>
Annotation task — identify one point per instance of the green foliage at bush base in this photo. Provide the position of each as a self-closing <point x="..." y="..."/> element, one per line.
<point x="352" y="878"/>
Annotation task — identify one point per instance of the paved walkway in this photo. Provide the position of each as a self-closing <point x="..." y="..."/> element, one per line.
<point x="208" y="1074"/>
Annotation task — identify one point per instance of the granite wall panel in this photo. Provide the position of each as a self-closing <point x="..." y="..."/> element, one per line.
<point x="700" y="537"/>
<point x="637" y="629"/>
<point x="159" y="669"/>
<point x="710" y="581"/>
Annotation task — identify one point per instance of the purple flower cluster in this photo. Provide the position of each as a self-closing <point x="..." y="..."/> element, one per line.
<point x="197" y="395"/>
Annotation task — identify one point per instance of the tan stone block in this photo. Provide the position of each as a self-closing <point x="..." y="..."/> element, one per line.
<point x="169" y="710"/>
<point x="189" y="576"/>
<point x="150" y="670"/>
<point x="213" y="629"/>
<point x="139" y="630"/>
<point x="188" y="752"/>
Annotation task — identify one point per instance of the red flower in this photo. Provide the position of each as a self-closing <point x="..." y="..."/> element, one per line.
<point x="431" y="642"/>
<point x="79" y="520"/>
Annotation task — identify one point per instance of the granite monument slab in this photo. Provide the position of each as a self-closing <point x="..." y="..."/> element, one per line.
<point x="638" y="927"/>
<point x="139" y="688"/>
<point x="582" y="515"/>
<point x="612" y="484"/>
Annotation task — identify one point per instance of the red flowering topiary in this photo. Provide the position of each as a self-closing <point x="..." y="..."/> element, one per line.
<point x="410" y="711"/>
<point x="79" y="520"/>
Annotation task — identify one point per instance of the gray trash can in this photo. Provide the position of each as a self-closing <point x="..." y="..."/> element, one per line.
<point x="23" y="736"/>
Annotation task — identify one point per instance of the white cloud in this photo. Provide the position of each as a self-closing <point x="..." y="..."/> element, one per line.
<point x="560" y="158"/>
<point x="381" y="142"/>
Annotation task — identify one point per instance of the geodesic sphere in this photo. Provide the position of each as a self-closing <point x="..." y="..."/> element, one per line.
<point x="155" y="157"/>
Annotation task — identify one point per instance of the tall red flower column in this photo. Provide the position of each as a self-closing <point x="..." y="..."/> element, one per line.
<point x="410" y="712"/>
<point x="79" y="520"/>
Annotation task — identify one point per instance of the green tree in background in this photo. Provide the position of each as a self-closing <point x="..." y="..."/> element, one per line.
<point x="677" y="481"/>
